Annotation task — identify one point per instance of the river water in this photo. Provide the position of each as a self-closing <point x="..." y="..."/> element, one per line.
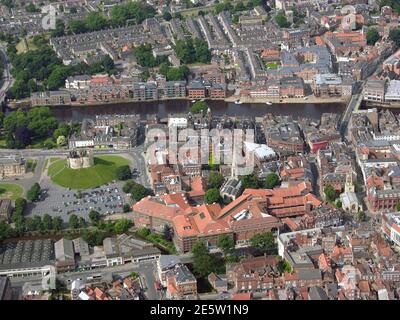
<point x="218" y="108"/>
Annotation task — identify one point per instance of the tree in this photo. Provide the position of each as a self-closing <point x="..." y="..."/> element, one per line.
<point x="330" y="193"/>
<point x="82" y="222"/>
<point x="73" y="222"/>
<point x="265" y="242"/>
<point x="47" y="222"/>
<point x="203" y="262"/>
<point x="5" y="230"/>
<point x="96" y="21"/>
<point x="126" y="208"/>
<point x="124" y="173"/>
<point x="226" y="244"/>
<point x="94" y="217"/>
<point x="212" y="195"/>
<point x="281" y="20"/>
<point x="167" y="232"/>
<point x="93" y="237"/>
<point x="271" y="180"/>
<point x="215" y="180"/>
<point x="122" y="226"/>
<point x="361" y="216"/>
<point x="398" y="206"/>
<point x="199" y="107"/>
<point x="127" y="187"/>
<point x="57" y="223"/>
<point x="30" y="224"/>
<point x="77" y="26"/>
<point x="139" y="192"/>
<point x="143" y="232"/>
<point x="37" y="222"/>
<point x="34" y="192"/>
<point x="284" y="266"/>
<point x="372" y="36"/>
<point x="394" y="35"/>
<point x="59" y="30"/>
<point x="249" y="182"/>
<point x="20" y="205"/>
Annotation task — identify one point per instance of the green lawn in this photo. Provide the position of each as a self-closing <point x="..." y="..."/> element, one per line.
<point x="272" y="65"/>
<point x="10" y="191"/>
<point x="104" y="171"/>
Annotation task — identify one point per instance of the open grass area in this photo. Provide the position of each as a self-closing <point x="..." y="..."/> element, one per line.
<point x="103" y="171"/>
<point x="272" y="65"/>
<point x="10" y="191"/>
<point x="25" y="45"/>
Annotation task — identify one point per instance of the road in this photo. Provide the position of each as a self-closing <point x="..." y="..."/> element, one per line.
<point x="6" y="80"/>
<point x="351" y="106"/>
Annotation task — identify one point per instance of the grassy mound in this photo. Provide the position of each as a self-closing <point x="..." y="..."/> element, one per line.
<point x="103" y="171"/>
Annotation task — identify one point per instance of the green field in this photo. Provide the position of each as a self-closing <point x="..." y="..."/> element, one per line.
<point x="103" y="171"/>
<point x="10" y="191"/>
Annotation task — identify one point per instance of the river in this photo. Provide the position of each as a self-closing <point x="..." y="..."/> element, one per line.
<point x="218" y="108"/>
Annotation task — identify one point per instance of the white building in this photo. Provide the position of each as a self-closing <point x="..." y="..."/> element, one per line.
<point x="77" y="82"/>
<point x="393" y="91"/>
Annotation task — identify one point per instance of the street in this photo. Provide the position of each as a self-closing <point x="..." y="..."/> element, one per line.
<point x="6" y="80"/>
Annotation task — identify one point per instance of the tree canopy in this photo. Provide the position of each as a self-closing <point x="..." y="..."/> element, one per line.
<point x="199" y="107"/>
<point x="22" y="128"/>
<point x="281" y="20"/>
<point x="212" y="195"/>
<point x="330" y="193"/>
<point x="124" y="172"/>
<point x="203" y="262"/>
<point x="271" y="180"/>
<point x="215" y="180"/>
<point x="144" y="56"/>
<point x="191" y="51"/>
<point x="264" y="242"/>
<point x="34" y="192"/>
<point x="394" y="35"/>
<point x="372" y="36"/>
<point x="137" y="191"/>
<point x="249" y="182"/>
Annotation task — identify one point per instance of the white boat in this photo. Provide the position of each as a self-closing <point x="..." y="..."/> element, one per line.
<point x="269" y="103"/>
<point x="193" y="101"/>
<point x="238" y="101"/>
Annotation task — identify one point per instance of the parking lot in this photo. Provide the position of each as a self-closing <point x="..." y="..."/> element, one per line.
<point x="58" y="201"/>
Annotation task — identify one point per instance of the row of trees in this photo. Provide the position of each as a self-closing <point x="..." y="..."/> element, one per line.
<point x="252" y="182"/>
<point x="120" y="15"/>
<point x="227" y="5"/>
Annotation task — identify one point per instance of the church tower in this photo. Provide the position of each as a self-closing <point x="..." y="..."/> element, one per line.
<point x="349" y="186"/>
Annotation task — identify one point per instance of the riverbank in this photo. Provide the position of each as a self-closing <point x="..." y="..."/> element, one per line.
<point x="231" y="99"/>
<point x="384" y="105"/>
<point x="309" y="99"/>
